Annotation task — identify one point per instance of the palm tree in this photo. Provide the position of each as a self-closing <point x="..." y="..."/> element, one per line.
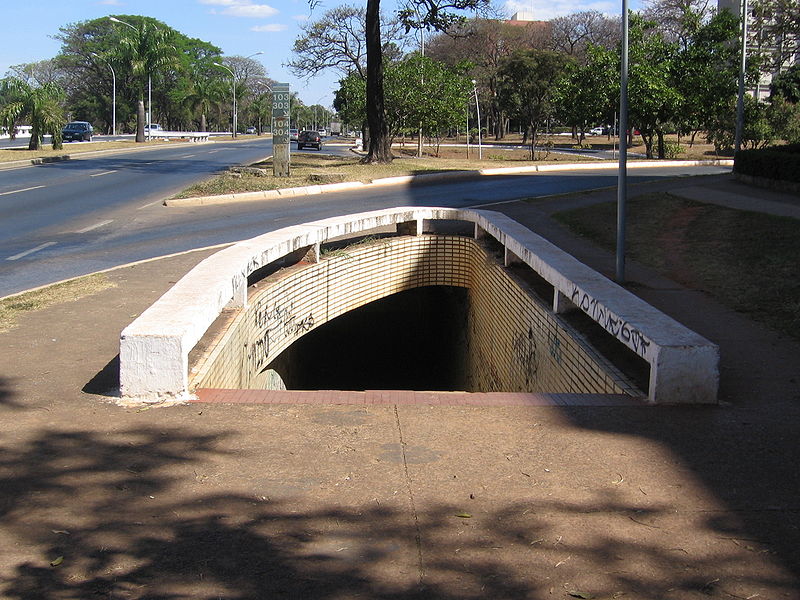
<point x="203" y="94"/>
<point x="147" y="49"/>
<point x="39" y="105"/>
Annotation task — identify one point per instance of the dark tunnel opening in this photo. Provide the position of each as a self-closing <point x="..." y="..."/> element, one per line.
<point x="413" y="340"/>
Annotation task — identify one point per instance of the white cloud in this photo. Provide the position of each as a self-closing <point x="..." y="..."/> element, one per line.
<point x="110" y="2"/>
<point x="242" y="8"/>
<point x="271" y="27"/>
<point x="253" y="11"/>
<point x="544" y="10"/>
<point x="301" y="17"/>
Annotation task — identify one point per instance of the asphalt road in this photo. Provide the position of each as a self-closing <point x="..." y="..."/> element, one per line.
<point x="67" y="219"/>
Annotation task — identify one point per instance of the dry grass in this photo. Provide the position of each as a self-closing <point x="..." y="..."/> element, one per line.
<point x="12" y="307"/>
<point x="747" y="260"/>
<point x="306" y="169"/>
<point x="8" y="155"/>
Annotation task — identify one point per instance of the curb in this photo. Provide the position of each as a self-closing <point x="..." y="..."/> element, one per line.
<point x="312" y="190"/>
<point x="31" y="162"/>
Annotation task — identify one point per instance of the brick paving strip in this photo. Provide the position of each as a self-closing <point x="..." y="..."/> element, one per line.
<point x="403" y="397"/>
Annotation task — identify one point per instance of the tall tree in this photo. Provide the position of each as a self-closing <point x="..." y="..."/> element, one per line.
<point x="573" y="34"/>
<point x="527" y="83"/>
<point x="148" y="48"/>
<point x="485" y="43"/>
<point x="587" y="93"/>
<point x="41" y="106"/>
<point x="337" y="41"/>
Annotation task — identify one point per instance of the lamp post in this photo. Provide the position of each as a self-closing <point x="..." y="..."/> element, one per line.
<point x="263" y="85"/>
<point x="233" y="83"/>
<point x="737" y="144"/>
<point x="477" y="110"/>
<point x="114" y="94"/>
<point x="622" y="175"/>
<point x="149" y="81"/>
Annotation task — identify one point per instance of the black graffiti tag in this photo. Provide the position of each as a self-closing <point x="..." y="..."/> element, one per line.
<point x="619" y="328"/>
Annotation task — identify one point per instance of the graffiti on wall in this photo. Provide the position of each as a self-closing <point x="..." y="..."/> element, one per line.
<point x="523" y="348"/>
<point x="620" y="328"/>
<point x="276" y="324"/>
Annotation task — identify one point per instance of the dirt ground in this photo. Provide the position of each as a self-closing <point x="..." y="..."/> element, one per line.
<point x="700" y="150"/>
<point x="428" y="502"/>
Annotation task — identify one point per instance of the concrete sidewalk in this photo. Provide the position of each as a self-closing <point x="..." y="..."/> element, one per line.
<point x="398" y="500"/>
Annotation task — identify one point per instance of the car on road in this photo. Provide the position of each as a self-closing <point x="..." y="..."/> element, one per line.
<point x="598" y="131"/>
<point x="77" y="131"/>
<point x="293" y="135"/>
<point x="250" y="130"/>
<point x="309" y="138"/>
<point x="323" y="133"/>
<point x="152" y="127"/>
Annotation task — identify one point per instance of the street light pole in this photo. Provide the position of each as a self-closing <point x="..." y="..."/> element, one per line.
<point x="478" y="110"/>
<point x="114" y="95"/>
<point x="149" y="84"/>
<point x="622" y="176"/>
<point x="233" y="85"/>
<point x="737" y="144"/>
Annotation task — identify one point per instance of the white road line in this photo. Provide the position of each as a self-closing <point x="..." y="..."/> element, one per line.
<point x="150" y="204"/>
<point x="103" y="173"/>
<point x="188" y="156"/>
<point x="31" y="251"/>
<point x="212" y="151"/>
<point x="95" y="226"/>
<point x="36" y="187"/>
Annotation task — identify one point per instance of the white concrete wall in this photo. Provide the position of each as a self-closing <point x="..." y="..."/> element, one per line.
<point x="154" y="348"/>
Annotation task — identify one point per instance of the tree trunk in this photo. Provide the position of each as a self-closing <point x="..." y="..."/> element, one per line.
<point x="35" y="142"/>
<point x="140" y="121"/>
<point x="379" y="147"/>
<point x="203" y="123"/>
<point x="661" y="149"/>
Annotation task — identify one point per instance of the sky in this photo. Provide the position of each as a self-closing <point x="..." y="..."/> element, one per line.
<point x="238" y="27"/>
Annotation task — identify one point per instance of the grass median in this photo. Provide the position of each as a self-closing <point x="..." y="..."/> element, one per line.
<point x="746" y="260"/>
<point x="315" y="169"/>
<point x="72" y="148"/>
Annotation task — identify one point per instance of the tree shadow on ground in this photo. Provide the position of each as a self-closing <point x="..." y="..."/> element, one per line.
<point x="7" y="394"/>
<point x="126" y="515"/>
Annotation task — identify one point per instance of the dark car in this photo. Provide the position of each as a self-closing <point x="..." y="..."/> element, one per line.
<point x="77" y="131"/>
<point x="309" y="138"/>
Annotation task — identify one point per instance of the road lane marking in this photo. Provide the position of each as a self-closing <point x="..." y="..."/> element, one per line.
<point x="188" y="156"/>
<point x="212" y="151"/>
<point x="31" y="251"/>
<point x="103" y="173"/>
<point x="95" y="226"/>
<point x="36" y="187"/>
<point x="149" y="204"/>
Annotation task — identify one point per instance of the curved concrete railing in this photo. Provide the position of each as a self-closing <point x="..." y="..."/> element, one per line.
<point x="154" y="349"/>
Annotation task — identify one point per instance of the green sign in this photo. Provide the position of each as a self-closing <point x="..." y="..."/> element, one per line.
<point x="280" y="129"/>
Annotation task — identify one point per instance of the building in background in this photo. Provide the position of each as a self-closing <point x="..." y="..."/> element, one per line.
<point x="773" y="36"/>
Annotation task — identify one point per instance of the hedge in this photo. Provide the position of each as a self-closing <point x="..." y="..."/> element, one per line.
<point x="776" y="162"/>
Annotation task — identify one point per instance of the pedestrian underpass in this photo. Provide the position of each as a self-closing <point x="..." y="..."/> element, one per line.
<point x="416" y="299"/>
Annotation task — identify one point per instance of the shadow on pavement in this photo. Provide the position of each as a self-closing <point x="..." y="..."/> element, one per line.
<point x="132" y="514"/>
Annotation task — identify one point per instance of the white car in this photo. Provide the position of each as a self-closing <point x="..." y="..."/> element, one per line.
<point x="153" y="127"/>
<point x="596" y="131"/>
<point x="293" y="135"/>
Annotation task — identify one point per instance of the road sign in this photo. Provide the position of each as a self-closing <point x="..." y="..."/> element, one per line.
<point x="281" y="103"/>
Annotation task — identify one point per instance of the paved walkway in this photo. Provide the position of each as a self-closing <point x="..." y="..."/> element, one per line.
<point x="389" y="500"/>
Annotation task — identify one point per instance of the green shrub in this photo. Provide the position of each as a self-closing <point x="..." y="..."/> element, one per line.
<point x="775" y="162"/>
<point x="672" y="150"/>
